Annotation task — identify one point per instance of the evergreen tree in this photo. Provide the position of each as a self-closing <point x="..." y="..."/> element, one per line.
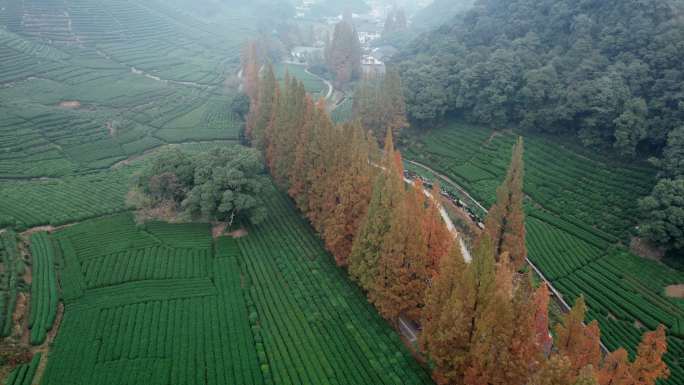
<point x="395" y="22"/>
<point x="529" y="331"/>
<point x="505" y="222"/>
<point x="269" y="135"/>
<point x="392" y="104"/>
<point x="455" y="337"/>
<point x="647" y="368"/>
<point x="488" y="359"/>
<point x="289" y="116"/>
<point x="389" y="291"/>
<point x="344" y="54"/>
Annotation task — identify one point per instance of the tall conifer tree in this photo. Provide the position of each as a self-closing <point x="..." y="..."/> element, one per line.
<point x="368" y="246"/>
<point x="648" y="366"/>
<point x="300" y="167"/>
<point x="464" y="317"/>
<point x="579" y="342"/>
<point x="379" y="103"/>
<point x="505" y="222"/>
<point x="354" y="189"/>
<point x="322" y="149"/>
<point x="438" y="238"/>
<point x="442" y="337"/>
<point x="260" y="116"/>
<point x="403" y="271"/>
<point x="250" y="70"/>
<point x="344" y="53"/>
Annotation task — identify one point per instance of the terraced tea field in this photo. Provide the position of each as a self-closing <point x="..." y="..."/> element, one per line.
<point x="85" y="85"/>
<point x="166" y="304"/>
<point x="579" y="208"/>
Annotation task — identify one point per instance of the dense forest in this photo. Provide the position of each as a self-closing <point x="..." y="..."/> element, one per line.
<point x="607" y="72"/>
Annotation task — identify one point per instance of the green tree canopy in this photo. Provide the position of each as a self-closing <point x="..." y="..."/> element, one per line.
<point x="222" y="184"/>
<point x="673" y="157"/>
<point x="663" y="214"/>
<point x="608" y="71"/>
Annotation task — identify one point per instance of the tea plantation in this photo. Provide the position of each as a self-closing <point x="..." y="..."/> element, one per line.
<point x="166" y="304"/>
<point x="580" y="208"/>
<point x="86" y="85"/>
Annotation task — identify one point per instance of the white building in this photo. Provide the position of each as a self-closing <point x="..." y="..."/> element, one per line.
<point x="367" y="37"/>
<point x="307" y="54"/>
<point x="370" y="65"/>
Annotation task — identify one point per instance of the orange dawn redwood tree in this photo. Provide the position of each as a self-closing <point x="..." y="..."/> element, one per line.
<point x="297" y="177"/>
<point x="404" y="264"/>
<point x="616" y="369"/>
<point x="250" y="69"/>
<point x="505" y="222"/>
<point x="579" y="342"/>
<point x="438" y="238"/>
<point x="353" y="192"/>
<point x="648" y="365"/>
<point x="541" y="318"/>
<point x="482" y="322"/>
<point x="313" y="202"/>
<point x="442" y="337"/>
<point x="261" y="113"/>
<point x="457" y="312"/>
<point x="370" y="240"/>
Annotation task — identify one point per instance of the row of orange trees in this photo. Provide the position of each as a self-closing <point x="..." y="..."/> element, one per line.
<point x="483" y="322"/>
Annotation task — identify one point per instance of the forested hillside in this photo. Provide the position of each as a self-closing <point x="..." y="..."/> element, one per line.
<point x="609" y="71"/>
<point x="437" y="13"/>
<point x="606" y="72"/>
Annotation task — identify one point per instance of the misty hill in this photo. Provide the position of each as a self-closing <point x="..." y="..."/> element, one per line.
<point x="607" y="71"/>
